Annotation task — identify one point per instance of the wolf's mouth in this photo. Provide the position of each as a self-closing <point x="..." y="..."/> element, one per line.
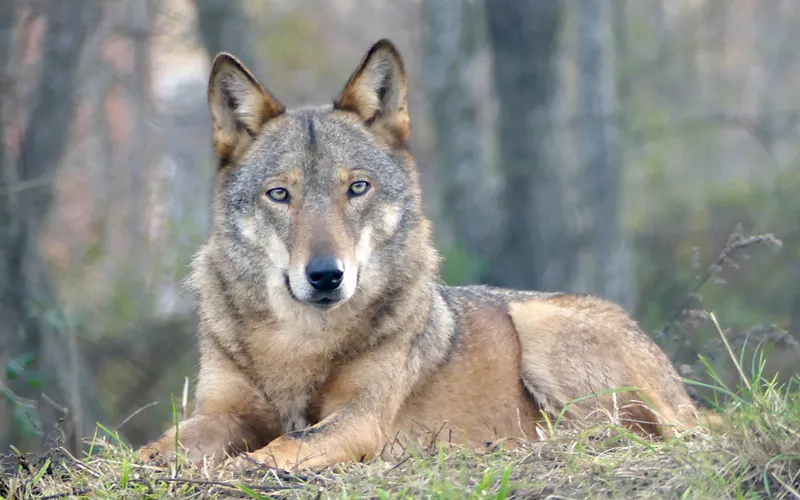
<point x="322" y="301"/>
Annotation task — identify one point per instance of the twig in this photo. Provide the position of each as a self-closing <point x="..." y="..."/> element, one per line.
<point x="435" y="435"/>
<point x="736" y="242"/>
<point x="286" y="476"/>
<point x="224" y="484"/>
<point x="27" y="184"/>
<point x="55" y="405"/>
<point x="78" y="463"/>
<point x="67" y="494"/>
<point x="136" y="412"/>
<point x="185" y="397"/>
<point x="730" y="351"/>
<point x="519" y="422"/>
<point x="401" y="462"/>
<point x="787" y="486"/>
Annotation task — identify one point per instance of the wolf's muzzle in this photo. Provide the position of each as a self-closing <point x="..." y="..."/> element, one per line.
<point x="325" y="274"/>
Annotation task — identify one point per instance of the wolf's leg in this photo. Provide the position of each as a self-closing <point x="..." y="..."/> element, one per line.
<point x="343" y="436"/>
<point x="359" y="410"/>
<point x="212" y="436"/>
<point x="573" y="347"/>
<point x="230" y="416"/>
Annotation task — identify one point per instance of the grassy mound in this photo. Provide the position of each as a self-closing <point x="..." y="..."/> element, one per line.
<point x="758" y="456"/>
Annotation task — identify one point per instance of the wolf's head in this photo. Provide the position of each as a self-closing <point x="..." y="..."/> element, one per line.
<point x="315" y="207"/>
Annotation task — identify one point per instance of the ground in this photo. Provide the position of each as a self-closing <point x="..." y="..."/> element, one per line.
<point x="604" y="462"/>
<point x="757" y="455"/>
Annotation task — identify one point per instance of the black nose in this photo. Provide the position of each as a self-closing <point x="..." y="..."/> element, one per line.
<point x="325" y="273"/>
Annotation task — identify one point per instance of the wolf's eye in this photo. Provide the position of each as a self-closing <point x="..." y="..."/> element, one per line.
<point x="358" y="188"/>
<point x="279" y="195"/>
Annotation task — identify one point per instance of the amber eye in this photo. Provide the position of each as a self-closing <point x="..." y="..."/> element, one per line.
<point x="278" y="195"/>
<point x="359" y="188"/>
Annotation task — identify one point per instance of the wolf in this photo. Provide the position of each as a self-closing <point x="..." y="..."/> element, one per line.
<point x="324" y="329"/>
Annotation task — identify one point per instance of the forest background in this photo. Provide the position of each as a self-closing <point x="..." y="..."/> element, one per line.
<point x="646" y="151"/>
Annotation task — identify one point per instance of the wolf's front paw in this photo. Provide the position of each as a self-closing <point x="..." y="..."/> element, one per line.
<point x="283" y="453"/>
<point x="150" y="454"/>
<point x="158" y="452"/>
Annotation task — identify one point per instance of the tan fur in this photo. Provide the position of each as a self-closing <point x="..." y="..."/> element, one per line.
<point x="400" y="355"/>
<point x="488" y="371"/>
<point x="572" y="347"/>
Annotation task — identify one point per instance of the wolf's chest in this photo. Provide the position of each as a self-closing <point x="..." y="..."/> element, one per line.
<point x="289" y="368"/>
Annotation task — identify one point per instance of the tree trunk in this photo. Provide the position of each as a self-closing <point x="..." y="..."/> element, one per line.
<point x="794" y="326"/>
<point x="774" y="54"/>
<point x="224" y="25"/>
<point x="450" y="51"/>
<point x="535" y="247"/>
<point x="10" y="320"/>
<point x="141" y="144"/>
<point x="33" y="298"/>
<point x="599" y="138"/>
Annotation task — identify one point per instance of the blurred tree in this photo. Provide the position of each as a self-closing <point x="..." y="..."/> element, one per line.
<point x="774" y="53"/>
<point x="10" y="321"/>
<point x="141" y="153"/>
<point x="794" y="327"/>
<point x="225" y="26"/>
<point x="536" y="248"/>
<point x="28" y="294"/>
<point x="451" y="44"/>
<point x="602" y="157"/>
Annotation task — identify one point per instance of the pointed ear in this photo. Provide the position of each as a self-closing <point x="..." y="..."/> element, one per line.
<point x="377" y="93"/>
<point x="239" y="107"/>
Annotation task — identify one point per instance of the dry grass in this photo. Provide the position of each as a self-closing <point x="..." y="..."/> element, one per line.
<point x="596" y="463"/>
<point x="757" y="457"/>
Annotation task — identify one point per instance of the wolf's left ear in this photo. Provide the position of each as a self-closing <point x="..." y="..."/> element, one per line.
<point x="239" y="106"/>
<point x="377" y="92"/>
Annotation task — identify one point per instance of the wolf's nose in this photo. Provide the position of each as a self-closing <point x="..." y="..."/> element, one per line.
<point x="325" y="273"/>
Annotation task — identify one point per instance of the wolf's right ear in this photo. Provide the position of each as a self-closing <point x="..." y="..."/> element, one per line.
<point x="377" y="93"/>
<point x="239" y="106"/>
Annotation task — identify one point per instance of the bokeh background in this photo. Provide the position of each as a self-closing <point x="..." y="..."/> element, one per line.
<point x="643" y="150"/>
